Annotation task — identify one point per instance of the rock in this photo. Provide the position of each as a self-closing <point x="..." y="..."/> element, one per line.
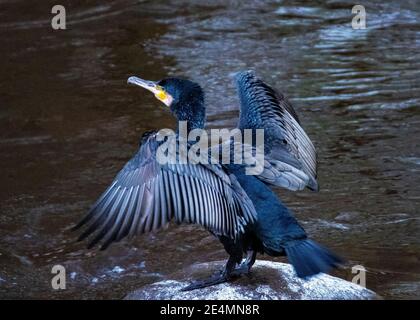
<point x="267" y="281"/>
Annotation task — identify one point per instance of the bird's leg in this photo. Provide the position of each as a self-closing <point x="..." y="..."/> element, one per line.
<point x="234" y="249"/>
<point x="246" y="265"/>
<point x="220" y="277"/>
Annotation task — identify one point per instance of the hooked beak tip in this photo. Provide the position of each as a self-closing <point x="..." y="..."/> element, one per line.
<point x="146" y="84"/>
<point x="132" y="80"/>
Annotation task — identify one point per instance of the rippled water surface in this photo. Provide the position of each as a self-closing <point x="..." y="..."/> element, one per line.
<point x="69" y="122"/>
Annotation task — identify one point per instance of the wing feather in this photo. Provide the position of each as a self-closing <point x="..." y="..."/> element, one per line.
<point x="145" y="196"/>
<point x="285" y="141"/>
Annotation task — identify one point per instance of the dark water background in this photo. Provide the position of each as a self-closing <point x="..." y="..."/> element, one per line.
<point x="68" y="123"/>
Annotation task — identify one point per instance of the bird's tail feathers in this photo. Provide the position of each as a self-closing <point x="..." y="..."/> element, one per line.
<point x="310" y="258"/>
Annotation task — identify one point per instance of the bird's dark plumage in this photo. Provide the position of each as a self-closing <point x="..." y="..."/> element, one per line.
<point x="276" y="231"/>
<point x="240" y="209"/>
<point x="188" y="103"/>
<point x="289" y="151"/>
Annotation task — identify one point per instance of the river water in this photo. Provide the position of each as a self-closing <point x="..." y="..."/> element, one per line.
<point x="69" y="122"/>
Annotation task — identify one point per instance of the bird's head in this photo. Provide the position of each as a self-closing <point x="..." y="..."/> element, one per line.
<point x="184" y="98"/>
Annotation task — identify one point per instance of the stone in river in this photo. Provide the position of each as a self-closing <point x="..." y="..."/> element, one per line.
<point x="267" y="281"/>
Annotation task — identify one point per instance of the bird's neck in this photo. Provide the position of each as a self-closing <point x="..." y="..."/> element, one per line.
<point x="191" y="116"/>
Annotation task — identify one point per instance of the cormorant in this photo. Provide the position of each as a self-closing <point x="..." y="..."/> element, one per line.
<point x="240" y="209"/>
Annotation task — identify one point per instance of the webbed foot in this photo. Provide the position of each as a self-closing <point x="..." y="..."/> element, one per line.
<point x="213" y="280"/>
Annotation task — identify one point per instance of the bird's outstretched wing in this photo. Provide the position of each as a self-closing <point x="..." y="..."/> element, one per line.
<point x="289" y="153"/>
<point x="146" y="195"/>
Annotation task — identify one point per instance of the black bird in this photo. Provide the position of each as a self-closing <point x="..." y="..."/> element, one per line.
<point x="240" y="209"/>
